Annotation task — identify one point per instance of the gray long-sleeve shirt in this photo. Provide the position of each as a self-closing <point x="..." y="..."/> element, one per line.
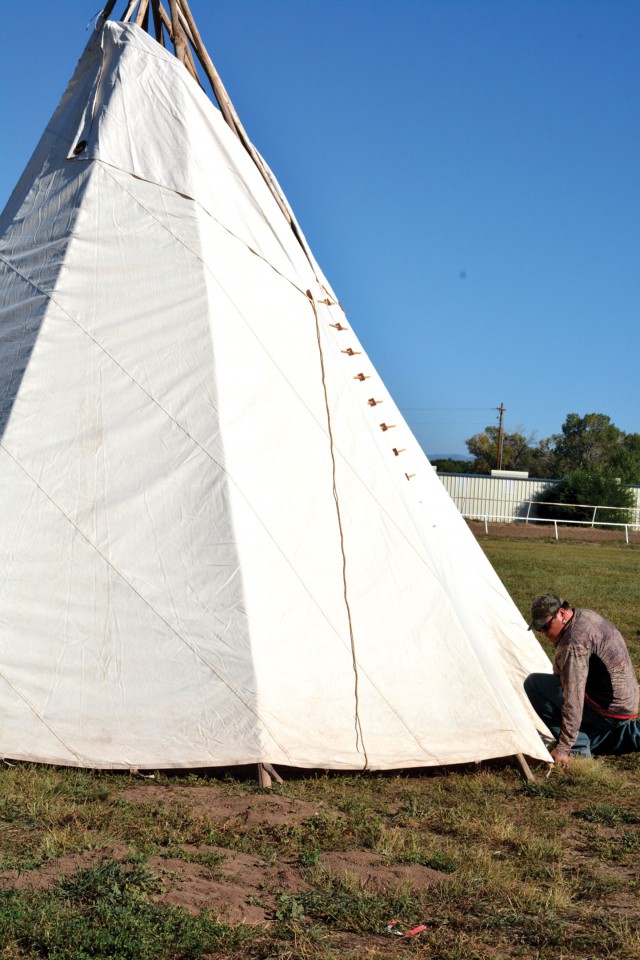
<point x="594" y="667"/>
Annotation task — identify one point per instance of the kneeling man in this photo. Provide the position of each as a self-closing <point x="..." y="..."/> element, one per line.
<point x="590" y="702"/>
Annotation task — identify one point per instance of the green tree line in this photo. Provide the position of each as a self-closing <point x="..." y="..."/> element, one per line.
<point x="593" y="459"/>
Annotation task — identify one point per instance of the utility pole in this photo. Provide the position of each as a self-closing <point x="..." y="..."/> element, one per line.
<point x="501" y="410"/>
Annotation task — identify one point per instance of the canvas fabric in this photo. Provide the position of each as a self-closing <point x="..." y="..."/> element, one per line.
<point x="215" y="553"/>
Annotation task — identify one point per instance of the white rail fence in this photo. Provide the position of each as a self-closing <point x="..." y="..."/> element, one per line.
<point x="506" y="500"/>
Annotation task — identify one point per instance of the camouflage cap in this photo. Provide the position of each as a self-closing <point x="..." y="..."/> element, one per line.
<point x="542" y="608"/>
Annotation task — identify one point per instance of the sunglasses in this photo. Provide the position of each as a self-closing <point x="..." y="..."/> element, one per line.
<point x="547" y="626"/>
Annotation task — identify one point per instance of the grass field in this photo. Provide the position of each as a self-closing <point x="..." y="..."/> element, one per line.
<point x="98" y="865"/>
<point x="604" y="577"/>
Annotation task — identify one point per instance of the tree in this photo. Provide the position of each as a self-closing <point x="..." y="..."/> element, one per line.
<point x="517" y="452"/>
<point x="591" y="488"/>
<point x="448" y="465"/>
<point x="542" y="460"/>
<point x="593" y="441"/>
<point x="587" y="443"/>
<point x="625" y="460"/>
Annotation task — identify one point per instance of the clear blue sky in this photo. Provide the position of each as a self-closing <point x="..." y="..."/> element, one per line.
<point x="466" y="172"/>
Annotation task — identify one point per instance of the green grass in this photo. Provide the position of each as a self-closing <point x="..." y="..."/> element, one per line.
<point x="526" y="869"/>
<point x="46" y="812"/>
<point x="105" y="911"/>
<point x="603" y="577"/>
<point x="545" y="870"/>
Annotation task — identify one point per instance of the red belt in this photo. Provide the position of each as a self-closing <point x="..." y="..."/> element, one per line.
<point x="613" y="716"/>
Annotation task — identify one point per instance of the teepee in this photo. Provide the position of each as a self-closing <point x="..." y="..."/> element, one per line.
<point x="219" y="541"/>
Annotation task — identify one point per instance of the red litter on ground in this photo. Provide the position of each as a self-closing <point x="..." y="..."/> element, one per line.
<point x="392" y="927"/>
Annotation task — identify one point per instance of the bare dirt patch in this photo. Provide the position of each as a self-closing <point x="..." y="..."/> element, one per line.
<point x="240" y="890"/>
<point x="545" y="531"/>
<point x="375" y="873"/>
<point x="238" y="887"/>
<point x="213" y="802"/>
<point x="51" y="872"/>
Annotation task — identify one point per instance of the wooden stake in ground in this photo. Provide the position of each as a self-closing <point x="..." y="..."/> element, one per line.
<point x="266" y="773"/>
<point x="524" y="766"/>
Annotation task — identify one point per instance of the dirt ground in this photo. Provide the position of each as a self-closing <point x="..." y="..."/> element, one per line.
<point x="240" y="888"/>
<point x="544" y="531"/>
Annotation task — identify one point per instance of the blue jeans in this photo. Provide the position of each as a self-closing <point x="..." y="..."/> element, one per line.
<point x="597" y="734"/>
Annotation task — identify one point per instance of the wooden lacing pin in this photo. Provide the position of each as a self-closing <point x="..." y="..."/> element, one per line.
<point x="351" y="353"/>
<point x="330" y="300"/>
<point x="338" y="326"/>
<point x="387" y="426"/>
<point x="397" y="452"/>
<point x="409" y="475"/>
<point x="373" y="403"/>
<point x="361" y="376"/>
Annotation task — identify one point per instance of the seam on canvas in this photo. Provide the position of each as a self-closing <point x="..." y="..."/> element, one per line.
<point x="358" y="723"/>
<point x="188" y="643"/>
<point x="222" y="467"/>
<point x="42" y="719"/>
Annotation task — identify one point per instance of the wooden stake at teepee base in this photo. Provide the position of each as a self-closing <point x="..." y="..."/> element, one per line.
<point x="267" y="773"/>
<point x="524" y="766"/>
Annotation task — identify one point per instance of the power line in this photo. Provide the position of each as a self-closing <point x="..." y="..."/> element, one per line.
<point x="445" y="409"/>
<point x="447" y="423"/>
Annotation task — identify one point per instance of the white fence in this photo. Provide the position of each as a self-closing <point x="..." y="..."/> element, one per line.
<point x="510" y="500"/>
<point x="504" y="498"/>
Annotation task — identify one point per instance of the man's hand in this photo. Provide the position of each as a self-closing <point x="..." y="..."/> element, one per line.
<point x="560" y="758"/>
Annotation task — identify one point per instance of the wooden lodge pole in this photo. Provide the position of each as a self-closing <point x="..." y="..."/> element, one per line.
<point x="186" y="59"/>
<point x="177" y="33"/>
<point x="157" y="21"/>
<point x="108" y="7"/>
<point x="129" y="11"/>
<point x="217" y="85"/>
<point x="143" y="12"/>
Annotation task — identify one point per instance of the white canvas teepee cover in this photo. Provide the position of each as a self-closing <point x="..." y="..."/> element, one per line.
<point x="219" y="541"/>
